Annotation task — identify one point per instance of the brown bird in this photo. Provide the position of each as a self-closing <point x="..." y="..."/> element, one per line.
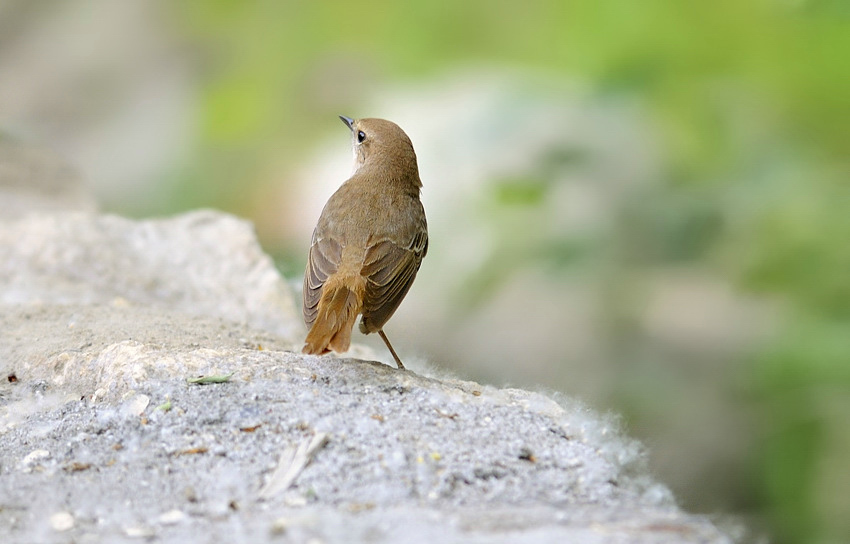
<point x="369" y="242"/>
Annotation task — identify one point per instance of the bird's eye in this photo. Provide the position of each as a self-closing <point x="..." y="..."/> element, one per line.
<point x="360" y="136"/>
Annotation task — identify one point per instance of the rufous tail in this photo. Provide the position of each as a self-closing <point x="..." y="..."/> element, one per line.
<point x="338" y="310"/>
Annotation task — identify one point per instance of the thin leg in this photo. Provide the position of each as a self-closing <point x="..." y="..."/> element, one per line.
<point x="390" y="347"/>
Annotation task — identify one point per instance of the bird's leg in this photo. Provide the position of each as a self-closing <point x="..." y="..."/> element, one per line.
<point x="390" y="347"/>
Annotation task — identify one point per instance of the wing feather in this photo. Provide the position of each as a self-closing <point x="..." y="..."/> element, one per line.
<point x="389" y="270"/>
<point x="322" y="261"/>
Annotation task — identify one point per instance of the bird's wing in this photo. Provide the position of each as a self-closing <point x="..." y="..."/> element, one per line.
<point x="389" y="270"/>
<point x="322" y="261"/>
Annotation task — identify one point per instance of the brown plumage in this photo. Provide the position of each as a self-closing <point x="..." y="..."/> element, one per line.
<point x="369" y="242"/>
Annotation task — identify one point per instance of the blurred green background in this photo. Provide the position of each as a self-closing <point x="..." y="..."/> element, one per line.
<point x="649" y="201"/>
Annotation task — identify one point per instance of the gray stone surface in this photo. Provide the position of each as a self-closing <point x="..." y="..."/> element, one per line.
<point x="200" y="263"/>
<point x="102" y="439"/>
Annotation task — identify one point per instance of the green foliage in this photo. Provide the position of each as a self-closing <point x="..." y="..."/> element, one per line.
<point x="684" y="58"/>
<point x="795" y="384"/>
<point x="801" y="248"/>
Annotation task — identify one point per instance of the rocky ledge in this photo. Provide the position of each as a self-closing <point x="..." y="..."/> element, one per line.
<point x="152" y="388"/>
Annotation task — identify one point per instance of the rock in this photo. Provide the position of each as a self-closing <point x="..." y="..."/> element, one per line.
<point x="110" y="317"/>
<point x="202" y="263"/>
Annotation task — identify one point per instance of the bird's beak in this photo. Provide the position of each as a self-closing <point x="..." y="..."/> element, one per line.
<point x="349" y="122"/>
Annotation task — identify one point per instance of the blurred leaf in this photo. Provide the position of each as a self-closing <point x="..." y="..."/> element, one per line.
<point x="788" y="468"/>
<point x="565" y="252"/>
<point x="519" y="192"/>
<point x="812" y="352"/>
<point x="800" y="248"/>
<point x="793" y="381"/>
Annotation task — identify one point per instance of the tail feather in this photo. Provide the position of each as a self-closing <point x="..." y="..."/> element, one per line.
<point x="338" y="308"/>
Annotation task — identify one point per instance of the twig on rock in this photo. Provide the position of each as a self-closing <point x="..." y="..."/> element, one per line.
<point x="292" y="462"/>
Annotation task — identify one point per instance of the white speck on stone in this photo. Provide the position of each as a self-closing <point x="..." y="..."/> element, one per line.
<point x="35" y="455"/>
<point x="172" y="517"/>
<point x="61" y="521"/>
<point x="295" y="501"/>
<point x="139" y="532"/>
<point x="32" y="458"/>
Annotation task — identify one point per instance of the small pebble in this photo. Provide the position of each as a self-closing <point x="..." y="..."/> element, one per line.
<point x="171" y="517"/>
<point x="139" y="532"/>
<point x="61" y="521"/>
<point x="278" y="526"/>
<point x="135" y="406"/>
<point x="32" y="458"/>
<point x="190" y="494"/>
<point x="296" y="500"/>
<point x="35" y="455"/>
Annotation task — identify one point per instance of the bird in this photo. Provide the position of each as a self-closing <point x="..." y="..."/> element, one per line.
<point x="369" y="241"/>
